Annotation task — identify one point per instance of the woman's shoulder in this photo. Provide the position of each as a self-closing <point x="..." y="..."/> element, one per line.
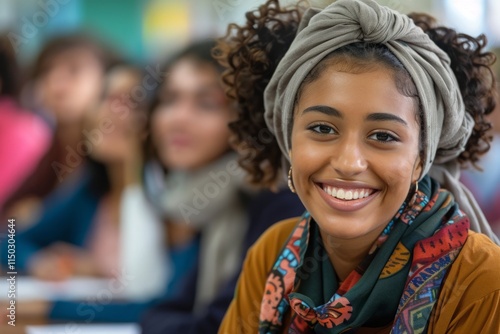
<point x="277" y="234"/>
<point x="470" y="297"/>
<point x="477" y="267"/>
<point x="474" y="273"/>
<point x="480" y="257"/>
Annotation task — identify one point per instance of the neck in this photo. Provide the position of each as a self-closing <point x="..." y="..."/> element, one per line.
<point x="346" y="254"/>
<point x="110" y="203"/>
<point x="69" y="134"/>
<point x="117" y="179"/>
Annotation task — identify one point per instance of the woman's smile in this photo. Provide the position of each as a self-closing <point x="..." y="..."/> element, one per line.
<point x="355" y="151"/>
<point x="346" y="197"/>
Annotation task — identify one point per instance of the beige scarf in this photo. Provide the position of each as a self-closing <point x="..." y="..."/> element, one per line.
<point x="210" y="200"/>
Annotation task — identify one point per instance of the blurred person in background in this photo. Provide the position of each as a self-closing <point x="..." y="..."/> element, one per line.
<point x="193" y="179"/>
<point x="65" y="83"/>
<point x="484" y="183"/>
<point x="24" y="137"/>
<point x="79" y="232"/>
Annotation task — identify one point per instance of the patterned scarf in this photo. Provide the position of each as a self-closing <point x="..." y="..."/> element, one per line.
<point x="399" y="280"/>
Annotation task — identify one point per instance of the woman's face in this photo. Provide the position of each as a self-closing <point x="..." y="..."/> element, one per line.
<point x="72" y="85"/>
<point x="117" y="122"/>
<point x="355" y="151"/>
<point x="189" y="126"/>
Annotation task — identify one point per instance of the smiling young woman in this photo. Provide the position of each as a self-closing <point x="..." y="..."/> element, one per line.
<point x="344" y="146"/>
<point x="374" y="125"/>
<point x="354" y="161"/>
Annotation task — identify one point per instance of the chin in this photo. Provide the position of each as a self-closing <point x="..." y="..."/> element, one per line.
<point x="344" y="234"/>
<point x="176" y="164"/>
<point x="343" y="228"/>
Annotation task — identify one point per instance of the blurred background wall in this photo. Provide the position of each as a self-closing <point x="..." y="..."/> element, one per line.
<point x="146" y="30"/>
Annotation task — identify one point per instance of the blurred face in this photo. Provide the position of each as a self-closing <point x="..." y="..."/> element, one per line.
<point x="189" y="126"/>
<point x="116" y="121"/>
<point x="355" y="151"/>
<point x="71" y="85"/>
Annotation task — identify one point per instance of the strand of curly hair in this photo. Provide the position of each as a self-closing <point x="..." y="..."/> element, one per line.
<point x="250" y="54"/>
<point x="471" y="65"/>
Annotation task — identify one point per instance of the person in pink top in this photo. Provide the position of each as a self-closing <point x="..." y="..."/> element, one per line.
<point x="64" y="84"/>
<point x="24" y="136"/>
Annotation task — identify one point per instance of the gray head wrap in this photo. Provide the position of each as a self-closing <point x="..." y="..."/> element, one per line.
<point x="447" y="125"/>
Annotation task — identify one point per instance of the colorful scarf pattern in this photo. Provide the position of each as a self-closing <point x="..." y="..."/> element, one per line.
<point x="412" y="256"/>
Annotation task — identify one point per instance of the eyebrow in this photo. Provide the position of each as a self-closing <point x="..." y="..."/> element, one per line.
<point x="375" y="117"/>
<point x="325" y="110"/>
<point x="203" y="90"/>
<point x="381" y="117"/>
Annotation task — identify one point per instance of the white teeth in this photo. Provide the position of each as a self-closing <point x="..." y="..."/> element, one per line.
<point x="341" y="194"/>
<point x="346" y="194"/>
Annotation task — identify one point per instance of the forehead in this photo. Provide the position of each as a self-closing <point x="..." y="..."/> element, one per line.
<point x="77" y="56"/>
<point x="189" y="74"/>
<point x="372" y="90"/>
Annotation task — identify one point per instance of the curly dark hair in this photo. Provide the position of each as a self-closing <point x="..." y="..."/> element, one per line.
<point x="251" y="52"/>
<point x="471" y="65"/>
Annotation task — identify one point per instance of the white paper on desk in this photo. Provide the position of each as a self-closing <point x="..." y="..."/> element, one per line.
<point x="85" y="329"/>
<point x="28" y="288"/>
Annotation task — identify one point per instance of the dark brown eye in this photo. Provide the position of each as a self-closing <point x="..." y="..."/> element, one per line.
<point x="322" y="129"/>
<point x="383" y="137"/>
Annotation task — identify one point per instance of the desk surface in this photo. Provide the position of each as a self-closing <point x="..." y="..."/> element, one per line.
<point x="28" y="288"/>
<point x="71" y="328"/>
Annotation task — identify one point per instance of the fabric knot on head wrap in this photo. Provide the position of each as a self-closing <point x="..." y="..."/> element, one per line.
<point x="446" y="126"/>
<point x="373" y="29"/>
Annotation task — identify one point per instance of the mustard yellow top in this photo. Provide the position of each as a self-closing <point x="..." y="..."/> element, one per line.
<point x="469" y="300"/>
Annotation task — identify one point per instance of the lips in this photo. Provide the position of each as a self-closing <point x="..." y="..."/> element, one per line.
<point x="343" y="196"/>
<point x="179" y="141"/>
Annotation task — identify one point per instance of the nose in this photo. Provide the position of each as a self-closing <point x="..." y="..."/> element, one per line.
<point x="349" y="159"/>
<point x="177" y="115"/>
<point x="59" y="78"/>
<point x="182" y="112"/>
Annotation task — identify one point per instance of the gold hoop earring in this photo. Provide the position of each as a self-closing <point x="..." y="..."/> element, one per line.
<point x="416" y="186"/>
<point x="290" y="181"/>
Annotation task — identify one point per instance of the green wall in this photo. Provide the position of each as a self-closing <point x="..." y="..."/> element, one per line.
<point x="117" y="22"/>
